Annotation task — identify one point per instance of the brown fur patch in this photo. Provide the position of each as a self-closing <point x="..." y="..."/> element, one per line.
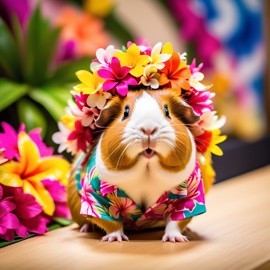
<point x="112" y="150"/>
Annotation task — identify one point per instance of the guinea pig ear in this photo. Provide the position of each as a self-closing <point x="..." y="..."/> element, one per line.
<point x="185" y="112"/>
<point x="108" y="114"/>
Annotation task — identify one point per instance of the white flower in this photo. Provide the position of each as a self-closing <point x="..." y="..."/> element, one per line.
<point x="61" y="138"/>
<point x="183" y="56"/>
<point x="150" y="77"/>
<point x="195" y="79"/>
<point x="98" y="99"/>
<point x="158" y="58"/>
<point x="209" y="121"/>
<point x="104" y="57"/>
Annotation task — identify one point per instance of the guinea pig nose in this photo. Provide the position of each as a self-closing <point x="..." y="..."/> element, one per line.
<point x="149" y="131"/>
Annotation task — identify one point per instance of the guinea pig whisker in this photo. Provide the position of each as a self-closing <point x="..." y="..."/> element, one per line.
<point x="122" y="154"/>
<point x="119" y="145"/>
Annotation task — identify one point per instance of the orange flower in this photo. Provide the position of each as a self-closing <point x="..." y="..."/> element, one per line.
<point x="176" y="73"/>
<point x="85" y="30"/>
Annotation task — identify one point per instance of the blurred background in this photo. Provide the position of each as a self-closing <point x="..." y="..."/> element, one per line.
<point x="43" y="43"/>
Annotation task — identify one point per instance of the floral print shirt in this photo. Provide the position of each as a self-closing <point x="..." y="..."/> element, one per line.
<point x="102" y="200"/>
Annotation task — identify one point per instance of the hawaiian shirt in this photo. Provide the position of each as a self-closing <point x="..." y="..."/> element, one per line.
<point x="102" y="200"/>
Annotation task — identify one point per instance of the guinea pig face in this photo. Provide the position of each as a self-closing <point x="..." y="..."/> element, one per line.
<point x="147" y="125"/>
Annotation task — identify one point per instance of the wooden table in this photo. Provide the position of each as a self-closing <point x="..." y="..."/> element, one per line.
<point x="233" y="234"/>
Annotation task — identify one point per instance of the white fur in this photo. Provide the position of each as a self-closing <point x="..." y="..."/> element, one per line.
<point x="147" y="180"/>
<point x="115" y="236"/>
<point x="173" y="233"/>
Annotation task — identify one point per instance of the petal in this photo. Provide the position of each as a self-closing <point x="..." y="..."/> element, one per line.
<point x="6" y="206"/>
<point x="133" y="50"/>
<point x="22" y="231"/>
<point x="27" y="207"/>
<point x="54" y="168"/>
<point x="8" y="236"/>
<point x="154" y="83"/>
<point x="92" y="100"/>
<point x="106" y="74"/>
<point x="29" y="153"/>
<point x="216" y="150"/>
<point x="122" y="89"/>
<point x="108" y="85"/>
<point x="9" y="221"/>
<point x="137" y="71"/>
<point x="116" y="67"/>
<point x="42" y="196"/>
<point x="101" y="101"/>
<point x="163" y="79"/>
<point x="130" y="81"/>
<point x="167" y="48"/>
<point x="100" y="53"/>
<point x="85" y="77"/>
<point x="10" y="179"/>
<point x="197" y="76"/>
<point x="156" y="50"/>
<point x="36" y="225"/>
<point x="94" y="66"/>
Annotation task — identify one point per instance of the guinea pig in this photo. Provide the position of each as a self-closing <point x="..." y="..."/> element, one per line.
<point x="143" y="171"/>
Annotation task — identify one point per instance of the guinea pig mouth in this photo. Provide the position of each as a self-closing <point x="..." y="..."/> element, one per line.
<point x="148" y="153"/>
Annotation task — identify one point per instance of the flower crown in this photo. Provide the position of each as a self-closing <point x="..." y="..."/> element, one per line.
<point x="114" y="72"/>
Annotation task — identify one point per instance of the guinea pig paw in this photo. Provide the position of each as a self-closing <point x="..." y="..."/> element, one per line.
<point x="86" y="228"/>
<point x="114" y="236"/>
<point x="174" y="237"/>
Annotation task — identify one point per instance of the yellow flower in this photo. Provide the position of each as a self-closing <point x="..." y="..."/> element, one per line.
<point x="216" y="139"/>
<point x="208" y="172"/>
<point x="100" y="8"/>
<point x="133" y="59"/>
<point x="29" y="172"/>
<point x="159" y="55"/>
<point x="68" y="121"/>
<point x="91" y="83"/>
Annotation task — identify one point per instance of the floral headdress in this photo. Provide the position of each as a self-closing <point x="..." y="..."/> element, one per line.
<point x="114" y="72"/>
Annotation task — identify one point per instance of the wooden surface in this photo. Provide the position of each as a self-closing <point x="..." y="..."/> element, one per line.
<point x="233" y="234"/>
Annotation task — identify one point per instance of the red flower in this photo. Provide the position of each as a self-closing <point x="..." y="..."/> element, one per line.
<point x="203" y="141"/>
<point x="82" y="135"/>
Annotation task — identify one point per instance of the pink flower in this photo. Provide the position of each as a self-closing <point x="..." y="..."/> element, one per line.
<point x="85" y="114"/>
<point x="58" y="193"/>
<point x="117" y="78"/>
<point x="87" y="200"/>
<point x="9" y="141"/>
<point x="195" y="194"/>
<point x="200" y="101"/>
<point x="19" y="214"/>
<point x="106" y="188"/>
<point x="80" y="99"/>
<point x="122" y="207"/>
<point x="82" y="135"/>
<point x="193" y="68"/>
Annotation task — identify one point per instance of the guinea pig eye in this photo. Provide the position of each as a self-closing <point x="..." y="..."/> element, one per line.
<point x="166" y="110"/>
<point x="126" y="113"/>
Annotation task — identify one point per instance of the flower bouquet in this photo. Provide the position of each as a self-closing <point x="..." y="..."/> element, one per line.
<point x="32" y="185"/>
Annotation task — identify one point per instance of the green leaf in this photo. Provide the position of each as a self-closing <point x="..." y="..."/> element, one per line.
<point x="53" y="99"/>
<point x="31" y="115"/>
<point x="9" y="56"/>
<point x="63" y="221"/>
<point x="41" y="43"/>
<point x="66" y="72"/>
<point x="11" y="92"/>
